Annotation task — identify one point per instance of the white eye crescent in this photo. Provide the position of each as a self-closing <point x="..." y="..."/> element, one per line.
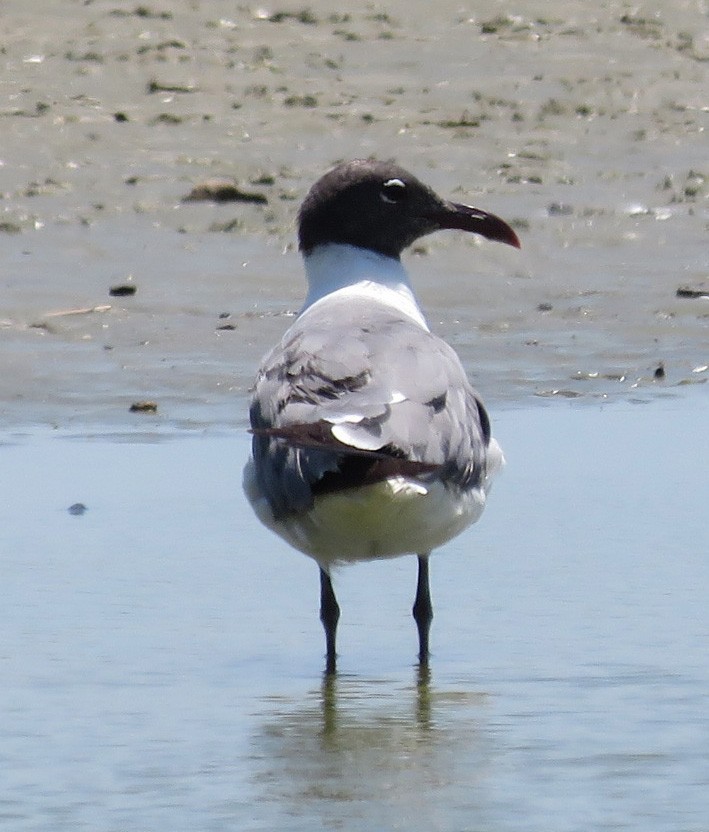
<point x="393" y="190"/>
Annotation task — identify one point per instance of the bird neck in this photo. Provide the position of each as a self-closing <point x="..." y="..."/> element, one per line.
<point x="342" y="268"/>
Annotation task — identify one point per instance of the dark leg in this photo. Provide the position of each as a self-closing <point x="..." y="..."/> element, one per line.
<point x="423" y="611"/>
<point x="329" y="615"/>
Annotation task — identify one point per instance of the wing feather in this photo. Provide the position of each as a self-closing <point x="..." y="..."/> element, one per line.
<point x="374" y="383"/>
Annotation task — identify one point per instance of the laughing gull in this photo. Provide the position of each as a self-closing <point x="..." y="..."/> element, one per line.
<point x="368" y="439"/>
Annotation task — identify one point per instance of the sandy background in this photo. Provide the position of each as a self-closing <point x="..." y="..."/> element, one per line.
<point x="583" y="124"/>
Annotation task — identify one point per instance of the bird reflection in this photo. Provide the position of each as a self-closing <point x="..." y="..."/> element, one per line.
<point x="330" y="691"/>
<point x="356" y="746"/>
<point x="423" y="696"/>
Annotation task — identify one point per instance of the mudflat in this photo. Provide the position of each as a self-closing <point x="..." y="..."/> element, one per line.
<point x="584" y="125"/>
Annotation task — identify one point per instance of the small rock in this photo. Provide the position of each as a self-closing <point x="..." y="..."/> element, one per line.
<point x="159" y="86"/>
<point x="122" y="290"/>
<point x="690" y="292"/>
<point x="223" y="190"/>
<point x="167" y="118"/>
<point x="143" y="407"/>
<point x="559" y="209"/>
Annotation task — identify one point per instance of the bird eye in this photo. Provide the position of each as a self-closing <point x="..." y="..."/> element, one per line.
<point x="393" y="190"/>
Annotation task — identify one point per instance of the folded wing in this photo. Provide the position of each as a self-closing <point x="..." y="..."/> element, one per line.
<point x="333" y="410"/>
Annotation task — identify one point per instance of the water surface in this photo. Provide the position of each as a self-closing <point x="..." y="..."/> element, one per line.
<point x="162" y="658"/>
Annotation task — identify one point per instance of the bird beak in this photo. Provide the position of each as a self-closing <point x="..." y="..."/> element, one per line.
<point x="467" y="218"/>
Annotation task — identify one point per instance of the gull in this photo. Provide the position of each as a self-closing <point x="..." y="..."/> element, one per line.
<point x="368" y="439"/>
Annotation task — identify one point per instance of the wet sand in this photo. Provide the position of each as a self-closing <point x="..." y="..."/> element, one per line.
<point x="584" y="126"/>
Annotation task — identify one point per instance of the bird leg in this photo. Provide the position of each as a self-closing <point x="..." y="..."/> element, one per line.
<point x="329" y="615"/>
<point x="423" y="611"/>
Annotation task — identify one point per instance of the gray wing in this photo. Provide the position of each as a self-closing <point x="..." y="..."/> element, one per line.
<point x="352" y="393"/>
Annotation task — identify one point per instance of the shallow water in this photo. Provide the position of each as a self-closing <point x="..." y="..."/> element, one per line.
<point x="162" y="658"/>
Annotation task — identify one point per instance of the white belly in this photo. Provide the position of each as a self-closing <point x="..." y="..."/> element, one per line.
<point x="390" y="518"/>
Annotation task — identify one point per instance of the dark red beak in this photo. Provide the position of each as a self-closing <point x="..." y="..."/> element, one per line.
<point x="467" y="218"/>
